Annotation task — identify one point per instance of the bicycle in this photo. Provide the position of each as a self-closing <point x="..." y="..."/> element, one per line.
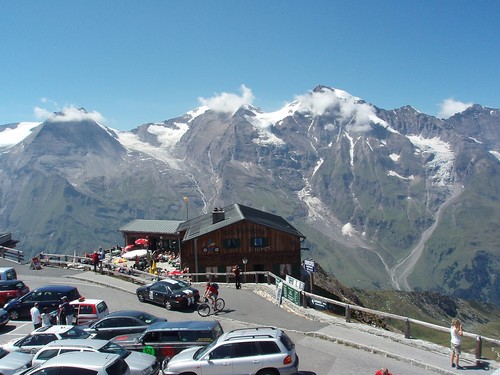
<point x="205" y="308"/>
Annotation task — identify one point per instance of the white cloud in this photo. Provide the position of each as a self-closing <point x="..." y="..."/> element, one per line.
<point x="70" y="113"/>
<point x="227" y="102"/>
<point x="449" y="107"/>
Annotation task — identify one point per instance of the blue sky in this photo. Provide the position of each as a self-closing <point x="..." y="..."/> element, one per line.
<point x="134" y="62"/>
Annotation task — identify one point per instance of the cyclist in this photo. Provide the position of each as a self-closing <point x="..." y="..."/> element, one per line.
<point x="211" y="293"/>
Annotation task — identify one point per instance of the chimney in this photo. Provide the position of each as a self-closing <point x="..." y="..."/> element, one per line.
<point x="218" y="214"/>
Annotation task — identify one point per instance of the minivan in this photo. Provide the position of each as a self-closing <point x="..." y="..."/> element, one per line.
<point x="8" y="273"/>
<point x="47" y="296"/>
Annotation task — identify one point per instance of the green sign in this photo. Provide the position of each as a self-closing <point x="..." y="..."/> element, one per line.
<point x="291" y="294"/>
<point x="148" y="350"/>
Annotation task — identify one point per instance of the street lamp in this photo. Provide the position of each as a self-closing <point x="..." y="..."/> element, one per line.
<point x="245" y="261"/>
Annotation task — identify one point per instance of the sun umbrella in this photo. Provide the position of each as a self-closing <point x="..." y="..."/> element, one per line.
<point x="127" y="248"/>
<point x="135" y="253"/>
<point x="142" y="241"/>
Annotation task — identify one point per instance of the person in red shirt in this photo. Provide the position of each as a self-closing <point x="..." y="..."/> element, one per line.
<point x="95" y="260"/>
<point x="383" y="371"/>
<point x="211" y="292"/>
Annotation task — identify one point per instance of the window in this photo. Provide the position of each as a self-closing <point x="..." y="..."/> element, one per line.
<point x="268" y="347"/>
<point x="108" y="323"/>
<point x="47" y="354"/>
<point x="102" y="306"/>
<point x="231" y="243"/>
<point x="86" y="309"/>
<point x="260" y="241"/>
<point x="169" y="337"/>
<point x="211" y="270"/>
<point x="223" y="351"/>
<point x="126" y="322"/>
<point x="244" y="349"/>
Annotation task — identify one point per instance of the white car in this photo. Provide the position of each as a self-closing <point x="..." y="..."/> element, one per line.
<point x="139" y="363"/>
<point x="88" y="363"/>
<point x="42" y="336"/>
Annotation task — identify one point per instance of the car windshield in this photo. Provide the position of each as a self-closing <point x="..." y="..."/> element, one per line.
<point x="113" y="348"/>
<point x="147" y="318"/>
<point x="3" y="353"/>
<point x="203" y="350"/>
<point x="75" y="333"/>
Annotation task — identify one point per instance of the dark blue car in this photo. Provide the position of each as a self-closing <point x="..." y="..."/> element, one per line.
<point x="46" y="296"/>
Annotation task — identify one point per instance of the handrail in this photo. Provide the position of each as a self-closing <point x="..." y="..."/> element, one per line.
<point x="13" y="255"/>
<point x="139" y="276"/>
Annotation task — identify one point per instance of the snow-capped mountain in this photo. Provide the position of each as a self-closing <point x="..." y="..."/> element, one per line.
<point x="386" y="198"/>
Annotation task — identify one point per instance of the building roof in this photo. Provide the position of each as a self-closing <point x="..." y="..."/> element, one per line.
<point x="152" y="226"/>
<point x="232" y="214"/>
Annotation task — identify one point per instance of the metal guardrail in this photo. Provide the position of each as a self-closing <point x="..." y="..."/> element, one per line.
<point x="13" y="255"/>
<point x="142" y="277"/>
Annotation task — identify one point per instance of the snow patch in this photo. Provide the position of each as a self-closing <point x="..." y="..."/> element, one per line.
<point x="348" y="230"/>
<point x="12" y="136"/>
<point x="395" y="174"/>
<point x="394" y="157"/>
<point x="495" y="154"/>
<point x="167" y="136"/>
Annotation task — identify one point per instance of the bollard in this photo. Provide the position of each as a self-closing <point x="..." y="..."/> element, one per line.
<point x="407" y="329"/>
<point x="348" y="314"/>
<point x="479" y="349"/>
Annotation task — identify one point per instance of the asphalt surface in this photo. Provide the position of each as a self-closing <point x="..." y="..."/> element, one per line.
<point x="428" y="356"/>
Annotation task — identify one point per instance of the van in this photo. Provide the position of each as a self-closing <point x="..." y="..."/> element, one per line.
<point x="8" y="273"/>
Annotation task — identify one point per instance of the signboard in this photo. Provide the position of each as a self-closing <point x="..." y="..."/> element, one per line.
<point x="309" y="265"/>
<point x="291" y="294"/>
<point x="296" y="283"/>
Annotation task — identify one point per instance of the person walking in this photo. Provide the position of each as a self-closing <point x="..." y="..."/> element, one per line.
<point x="456" y="332"/>
<point x="46" y="318"/>
<point x="36" y="317"/>
<point x="95" y="260"/>
<point x="237" y="272"/>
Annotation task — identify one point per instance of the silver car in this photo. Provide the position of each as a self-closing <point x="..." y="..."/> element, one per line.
<point x="261" y="350"/>
<point x="12" y="362"/>
<point x="88" y="363"/>
<point x="139" y="363"/>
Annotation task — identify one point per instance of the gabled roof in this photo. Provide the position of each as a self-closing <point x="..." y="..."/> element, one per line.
<point x="232" y="214"/>
<point x="151" y="226"/>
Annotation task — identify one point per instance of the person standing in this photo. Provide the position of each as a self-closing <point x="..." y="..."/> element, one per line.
<point x="456" y="332"/>
<point x="46" y="318"/>
<point x="383" y="371"/>
<point x="65" y="312"/>
<point x="36" y="317"/>
<point x="237" y="272"/>
<point x="95" y="260"/>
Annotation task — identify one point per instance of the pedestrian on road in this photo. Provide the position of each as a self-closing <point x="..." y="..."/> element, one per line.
<point x="237" y="272"/>
<point x="36" y="317"/>
<point x="456" y="342"/>
<point x="46" y="318"/>
<point x="383" y="371"/>
<point x="95" y="260"/>
<point x="65" y="312"/>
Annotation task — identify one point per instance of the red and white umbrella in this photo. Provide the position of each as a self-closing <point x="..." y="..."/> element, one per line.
<point x="128" y="248"/>
<point x="142" y="241"/>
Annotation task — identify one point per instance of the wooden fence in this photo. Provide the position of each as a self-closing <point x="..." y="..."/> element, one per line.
<point x="142" y="277"/>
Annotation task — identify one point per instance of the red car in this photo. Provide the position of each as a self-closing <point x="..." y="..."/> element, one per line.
<point x="10" y="289"/>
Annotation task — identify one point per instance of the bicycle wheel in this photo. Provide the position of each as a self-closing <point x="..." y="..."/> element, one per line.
<point x="204" y="309"/>
<point x="220" y="304"/>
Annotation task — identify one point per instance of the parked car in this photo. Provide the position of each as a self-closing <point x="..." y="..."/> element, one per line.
<point x="170" y="293"/>
<point x="10" y="289"/>
<point x="85" y="311"/>
<point x="139" y="363"/>
<point x="260" y="350"/>
<point x="4" y="317"/>
<point x="8" y="273"/>
<point x="165" y="339"/>
<point x="42" y="336"/>
<point x="120" y="322"/>
<point x="46" y="296"/>
<point x="88" y="363"/>
<point x="12" y="362"/>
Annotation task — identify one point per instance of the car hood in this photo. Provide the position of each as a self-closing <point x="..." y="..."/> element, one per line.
<point x="185" y="355"/>
<point x="14" y="361"/>
<point x="140" y="361"/>
<point x="12" y="302"/>
<point x="9" y="345"/>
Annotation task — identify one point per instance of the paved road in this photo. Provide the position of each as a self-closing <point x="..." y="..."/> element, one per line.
<point x="326" y="345"/>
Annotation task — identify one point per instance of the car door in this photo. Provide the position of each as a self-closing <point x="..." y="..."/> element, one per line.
<point x="127" y="325"/>
<point x="158" y="293"/>
<point x="104" y="329"/>
<point x="246" y="358"/>
<point x="217" y="362"/>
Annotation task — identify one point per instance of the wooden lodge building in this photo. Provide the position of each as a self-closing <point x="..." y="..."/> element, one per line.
<point x="215" y="242"/>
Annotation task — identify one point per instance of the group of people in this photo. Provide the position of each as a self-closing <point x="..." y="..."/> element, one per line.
<point x="43" y="318"/>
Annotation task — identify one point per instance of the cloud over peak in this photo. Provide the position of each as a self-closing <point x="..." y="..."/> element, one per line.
<point x="449" y="107"/>
<point x="228" y="102"/>
<point x="69" y="113"/>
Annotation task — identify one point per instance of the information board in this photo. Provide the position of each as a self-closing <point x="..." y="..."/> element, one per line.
<point x="291" y="294"/>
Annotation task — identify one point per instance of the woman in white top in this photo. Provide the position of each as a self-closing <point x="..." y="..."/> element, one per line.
<point x="46" y="318"/>
<point x="456" y="341"/>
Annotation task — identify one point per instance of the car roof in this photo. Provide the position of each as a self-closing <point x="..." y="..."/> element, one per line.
<point x="188" y="325"/>
<point x="7" y="282"/>
<point x="76" y="359"/>
<point x="88" y="301"/>
<point x="133" y="313"/>
<point x="53" y="329"/>
<point x="244" y="333"/>
<point x="80" y="343"/>
<point x="57" y="288"/>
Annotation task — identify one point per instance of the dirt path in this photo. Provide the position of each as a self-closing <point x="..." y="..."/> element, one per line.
<point x="401" y="271"/>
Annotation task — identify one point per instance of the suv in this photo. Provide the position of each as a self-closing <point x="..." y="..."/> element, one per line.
<point x="85" y="311"/>
<point x="46" y="296"/>
<point x="165" y="339"/>
<point x="139" y="363"/>
<point x="10" y="289"/>
<point x="81" y="364"/>
<point x="261" y="350"/>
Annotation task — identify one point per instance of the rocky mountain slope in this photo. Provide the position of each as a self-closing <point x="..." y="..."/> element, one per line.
<point x="387" y="198"/>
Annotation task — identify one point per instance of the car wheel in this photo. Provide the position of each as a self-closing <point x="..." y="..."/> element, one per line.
<point x="168" y="304"/>
<point x="268" y="371"/>
<point x="13" y="315"/>
<point x="141" y="297"/>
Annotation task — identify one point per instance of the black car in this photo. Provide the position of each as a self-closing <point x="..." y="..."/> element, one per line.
<point x="46" y="296"/>
<point x="170" y="293"/>
<point x="165" y="339"/>
<point x="119" y="323"/>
